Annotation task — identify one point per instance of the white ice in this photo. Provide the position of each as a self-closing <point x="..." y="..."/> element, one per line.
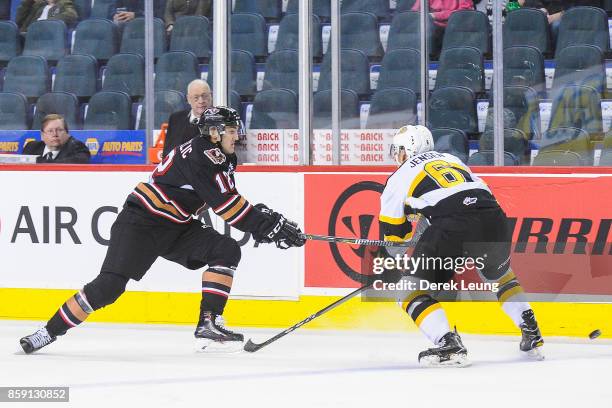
<point x="116" y="366"/>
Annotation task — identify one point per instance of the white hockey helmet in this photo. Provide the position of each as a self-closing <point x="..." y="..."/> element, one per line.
<point x="413" y="140"/>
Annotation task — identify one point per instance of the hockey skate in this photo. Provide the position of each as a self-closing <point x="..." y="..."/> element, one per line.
<point x="212" y="336"/>
<point x="450" y="353"/>
<point x="36" y="341"/>
<point x="532" y="341"/>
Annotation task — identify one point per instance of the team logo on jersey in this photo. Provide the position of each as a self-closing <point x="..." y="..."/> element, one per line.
<point x="215" y="155"/>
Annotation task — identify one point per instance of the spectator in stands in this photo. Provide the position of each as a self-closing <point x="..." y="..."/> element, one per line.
<point x="127" y="10"/>
<point x="182" y="125"/>
<point x="178" y="8"/>
<point x="57" y="146"/>
<point x="30" y="11"/>
<point x="440" y="11"/>
<point x="5" y="9"/>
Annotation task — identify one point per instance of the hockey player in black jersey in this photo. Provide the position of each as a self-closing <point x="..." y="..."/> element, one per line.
<point x="466" y="220"/>
<point x="158" y="220"/>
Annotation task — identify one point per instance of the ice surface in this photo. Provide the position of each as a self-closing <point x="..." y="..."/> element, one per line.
<point x="116" y="366"/>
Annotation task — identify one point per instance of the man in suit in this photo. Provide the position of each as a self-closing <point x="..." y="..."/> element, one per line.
<point x="30" y="11"/>
<point x="182" y="124"/>
<point x="57" y="146"/>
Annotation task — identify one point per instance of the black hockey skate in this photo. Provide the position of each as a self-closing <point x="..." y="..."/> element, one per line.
<point x="450" y="353"/>
<point x="532" y="340"/>
<point x="212" y="335"/>
<point x="36" y="341"/>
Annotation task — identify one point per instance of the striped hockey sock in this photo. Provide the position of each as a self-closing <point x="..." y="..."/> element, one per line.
<point x="72" y="313"/>
<point x="427" y="314"/>
<point x="512" y="297"/>
<point x="216" y="286"/>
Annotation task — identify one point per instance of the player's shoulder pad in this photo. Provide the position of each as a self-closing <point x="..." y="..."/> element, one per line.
<point x="211" y="152"/>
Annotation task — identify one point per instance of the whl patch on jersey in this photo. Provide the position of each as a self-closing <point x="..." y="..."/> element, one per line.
<point x="215" y="155"/>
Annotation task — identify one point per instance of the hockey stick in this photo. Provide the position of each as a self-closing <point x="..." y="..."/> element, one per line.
<point x="358" y="241"/>
<point x="252" y="347"/>
<point x="421" y="225"/>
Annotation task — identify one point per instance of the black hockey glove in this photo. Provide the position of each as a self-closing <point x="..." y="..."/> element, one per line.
<point x="283" y="232"/>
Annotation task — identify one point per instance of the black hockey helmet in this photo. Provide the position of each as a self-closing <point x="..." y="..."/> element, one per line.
<point x="219" y="117"/>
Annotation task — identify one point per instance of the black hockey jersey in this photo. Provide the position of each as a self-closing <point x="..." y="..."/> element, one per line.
<point x="191" y="177"/>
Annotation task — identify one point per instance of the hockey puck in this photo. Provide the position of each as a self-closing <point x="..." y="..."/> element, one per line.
<point x="595" y="334"/>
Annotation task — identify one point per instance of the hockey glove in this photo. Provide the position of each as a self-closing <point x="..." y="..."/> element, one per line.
<point x="283" y="232"/>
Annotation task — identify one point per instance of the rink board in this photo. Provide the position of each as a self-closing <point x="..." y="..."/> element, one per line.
<point x="274" y="288"/>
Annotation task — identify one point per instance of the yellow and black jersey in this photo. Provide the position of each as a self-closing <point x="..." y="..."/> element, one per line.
<point x="192" y="177"/>
<point x="433" y="184"/>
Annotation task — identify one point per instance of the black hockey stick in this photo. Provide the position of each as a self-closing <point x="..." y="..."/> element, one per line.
<point x="252" y="347"/>
<point x="421" y="225"/>
<point x="357" y="241"/>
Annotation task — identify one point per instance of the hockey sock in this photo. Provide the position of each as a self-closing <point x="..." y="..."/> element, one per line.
<point x="72" y="313"/>
<point x="512" y="297"/>
<point x="216" y="287"/>
<point x="427" y="314"/>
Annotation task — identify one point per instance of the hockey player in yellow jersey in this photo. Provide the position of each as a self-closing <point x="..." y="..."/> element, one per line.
<point x="466" y="221"/>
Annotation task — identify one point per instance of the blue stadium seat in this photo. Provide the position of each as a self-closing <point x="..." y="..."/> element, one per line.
<point x="322" y="110"/>
<point x="515" y="142"/>
<point x="354" y="72"/>
<point x="392" y="108"/>
<point x="580" y="65"/>
<point x="524" y="103"/>
<point x="380" y="8"/>
<point x="76" y="74"/>
<point x="133" y="38"/>
<point x="579" y="107"/>
<point x="62" y="103"/>
<point x="125" y="73"/>
<point x="27" y="75"/>
<point x="565" y="146"/>
<point x="192" y="33"/>
<point x="524" y="65"/>
<point x="10" y="43"/>
<point x="174" y="70"/>
<point x="404" y="5"/>
<point x="269" y="9"/>
<point x="527" y="26"/>
<point x="606" y="153"/>
<point x="249" y="33"/>
<point x="282" y="71"/>
<point x="275" y="109"/>
<point x="485" y="158"/>
<point x="244" y="73"/>
<point x="166" y="103"/>
<point x="401" y="68"/>
<point x="461" y="66"/>
<point x="405" y="31"/>
<point x="46" y="38"/>
<point x="468" y="28"/>
<point x="560" y="134"/>
<point x="584" y="26"/>
<point x="452" y="141"/>
<point x="13" y="111"/>
<point x="558" y="158"/>
<point x="453" y="107"/>
<point x="288" y="35"/>
<point x="103" y="8"/>
<point x="360" y="32"/>
<point x="321" y="8"/>
<point x="83" y="8"/>
<point x="109" y="110"/>
<point x="96" y="37"/>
